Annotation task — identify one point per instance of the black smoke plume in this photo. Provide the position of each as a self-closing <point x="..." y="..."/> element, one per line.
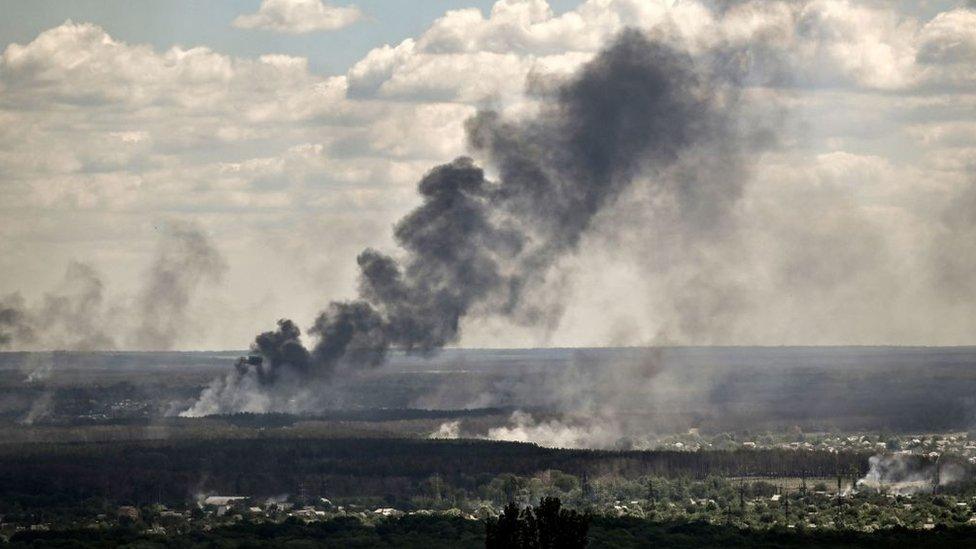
<point x="479" y="246"/>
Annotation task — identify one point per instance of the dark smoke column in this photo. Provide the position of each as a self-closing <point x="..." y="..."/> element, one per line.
<point x="480" y="247"/>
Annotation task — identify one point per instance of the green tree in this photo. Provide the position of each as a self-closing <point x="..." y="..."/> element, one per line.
<point x="547" y="526"/>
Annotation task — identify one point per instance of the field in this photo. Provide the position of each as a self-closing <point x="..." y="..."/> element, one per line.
<point x="663" y="390"/>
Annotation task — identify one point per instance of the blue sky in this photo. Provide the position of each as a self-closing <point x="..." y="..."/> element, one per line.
<point x="208" y="22"/>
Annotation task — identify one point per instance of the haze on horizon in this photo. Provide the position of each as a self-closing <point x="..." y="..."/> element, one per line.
<point x="178" y="184"/>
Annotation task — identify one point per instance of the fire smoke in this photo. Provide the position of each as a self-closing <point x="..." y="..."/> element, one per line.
<point x="478" y="246"/>
<point x="185" y="261"/>
<point x="903" y="474"/>
<point x="77" y="315"/>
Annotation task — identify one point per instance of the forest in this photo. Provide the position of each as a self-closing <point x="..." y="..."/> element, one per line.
<point x="49" y="475"/>
<point x="445" y="532"/>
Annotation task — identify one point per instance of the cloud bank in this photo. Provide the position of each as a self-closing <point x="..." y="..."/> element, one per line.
<point x="299" y="16"/>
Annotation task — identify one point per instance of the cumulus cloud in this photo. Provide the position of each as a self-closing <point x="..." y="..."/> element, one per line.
<point x="80" y="65"/>
<point x="100" y="136"/>
<point x="125" y="127"/>
<point x="468" y="56"/>
<point x="949" y="38"/>
<point x="299" y="16"/>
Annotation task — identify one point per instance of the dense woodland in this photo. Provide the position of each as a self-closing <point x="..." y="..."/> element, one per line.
<point x="445" y="532"/>
<point x="101" y="439"/>
<point x="45" y="475"/>
<point x="545" y="526"/>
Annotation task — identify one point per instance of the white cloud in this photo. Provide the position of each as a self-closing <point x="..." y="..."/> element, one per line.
<point x="81" y="65"/>
<point x="299" y="16"/>
<point x="469" y="57"/>
<point x="99" y="138"/>
<point x="949" y="38"/>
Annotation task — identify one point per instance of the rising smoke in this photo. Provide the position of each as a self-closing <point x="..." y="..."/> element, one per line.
<point x="640" y="110"/>
<point x="908" y="474"/>
<point x="74" y="316"/>
<point x="185" y="261"/>
<point x="603" y="400"/>
<point x="13" y="322"/>
<point x="602" y="432"/>
<point x="78" y="316"/>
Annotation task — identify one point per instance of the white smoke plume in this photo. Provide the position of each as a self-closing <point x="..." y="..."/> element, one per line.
<point x="907" y="474"/>
<point x="37" y="367"/>
<point x="565" y="432"/>
<point x="40" y="408"/>
<point x="245" y="393"/>
<point x="604" y="400"/>
<point x="447" y="430"/>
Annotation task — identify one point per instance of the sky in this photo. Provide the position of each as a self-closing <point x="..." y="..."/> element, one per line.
<point x="291" y="134"/>
<point x="206" y="22"/>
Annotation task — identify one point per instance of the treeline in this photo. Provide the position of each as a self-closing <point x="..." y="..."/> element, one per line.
<point x="250" y="420"/>
<point x="546" y="526"/>
<point x="433" y="532"/>
<point x="172" y="471"/>
<point x="365" y="414"/>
